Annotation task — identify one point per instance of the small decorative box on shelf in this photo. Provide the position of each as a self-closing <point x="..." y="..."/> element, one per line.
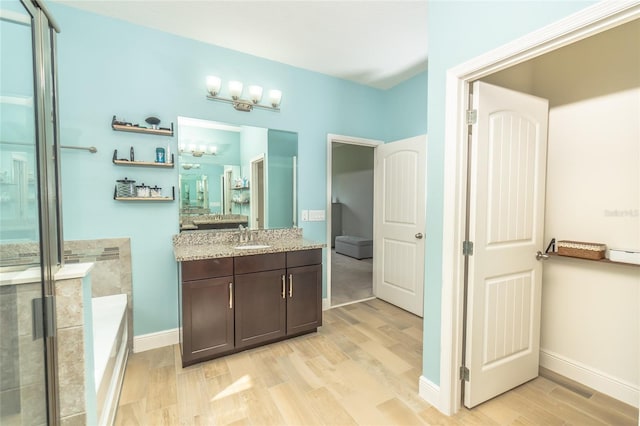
<point x="124" y="126"/>
<point x="583" y="250"/>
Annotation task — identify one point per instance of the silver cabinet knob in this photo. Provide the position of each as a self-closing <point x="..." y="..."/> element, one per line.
<point x="419" y="235"/>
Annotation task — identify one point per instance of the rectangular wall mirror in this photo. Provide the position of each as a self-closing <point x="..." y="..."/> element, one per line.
<point x="236" y="175"/>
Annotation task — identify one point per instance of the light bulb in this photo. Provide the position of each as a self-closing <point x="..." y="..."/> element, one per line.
<point x="275" y="96"/>
<point x="213" y="85"/>
<point x="255" y="93"/>
<point x="235" y="89"/>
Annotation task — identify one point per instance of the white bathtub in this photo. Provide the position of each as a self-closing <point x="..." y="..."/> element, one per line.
<point x="110" y="352"/>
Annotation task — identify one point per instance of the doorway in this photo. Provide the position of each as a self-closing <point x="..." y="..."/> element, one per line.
<point x="257" y="193"/>
<point x="343" y="270"/>
<point x="352" y="182"/>
<point x="584" y="24"/>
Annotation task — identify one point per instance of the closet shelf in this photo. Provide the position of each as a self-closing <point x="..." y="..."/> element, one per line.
<point x="557" y="256"/>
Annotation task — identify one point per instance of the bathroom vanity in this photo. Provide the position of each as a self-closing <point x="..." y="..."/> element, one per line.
<point x="235" y="296"/>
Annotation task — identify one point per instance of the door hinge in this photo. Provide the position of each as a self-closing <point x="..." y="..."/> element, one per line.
<point x="472" y="116"/>
<point x="464" y="373"/>
<point x="467" y="248"/>
<point x="43" y="317"/>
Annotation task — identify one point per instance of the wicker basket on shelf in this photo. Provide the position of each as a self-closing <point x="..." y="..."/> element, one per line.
<point x="583" y="250"/>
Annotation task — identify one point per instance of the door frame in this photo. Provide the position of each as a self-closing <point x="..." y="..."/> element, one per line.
<point x="585" y="23"/>
<point x="256" y="190"/>
<point x="350" y="140"/>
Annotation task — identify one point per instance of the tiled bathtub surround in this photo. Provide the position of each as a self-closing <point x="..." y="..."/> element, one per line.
<point x="111" y="273"/>
<point x="21" y="359"/>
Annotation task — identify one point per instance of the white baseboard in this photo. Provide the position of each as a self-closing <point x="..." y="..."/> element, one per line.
<point x="326" y="304"/>
<point x="430" y="392"/>
<point x="588" y="376"/>
<point x="150" y="341"/>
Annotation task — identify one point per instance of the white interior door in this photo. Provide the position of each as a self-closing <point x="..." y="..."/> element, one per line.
<point x="399" y="217"/>
<point x="508" y="170"/>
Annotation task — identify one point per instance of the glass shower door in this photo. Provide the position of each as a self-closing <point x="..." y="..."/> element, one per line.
<point x="26" y="347"/>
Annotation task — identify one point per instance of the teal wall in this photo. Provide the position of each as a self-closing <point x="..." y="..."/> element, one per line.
<point x="109" y="67"/>
<point x="459" y="31"/>
<point x="406" y="109"/>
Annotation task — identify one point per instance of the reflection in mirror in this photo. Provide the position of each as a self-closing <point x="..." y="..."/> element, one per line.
<point x="236" y="175"/>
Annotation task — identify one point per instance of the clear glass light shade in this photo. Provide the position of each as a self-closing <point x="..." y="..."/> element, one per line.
<point x="192" y="147"/>
<point x="235" y="89"/>
<point x="275" y="96"/>
<point x="213" y="85"/>
<point x="202" y="148"/>
<point x="213" y="149"/>
<point x="255" y="93"/>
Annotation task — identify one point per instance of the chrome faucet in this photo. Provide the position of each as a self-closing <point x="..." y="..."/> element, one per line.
<point x="243" y="234"/>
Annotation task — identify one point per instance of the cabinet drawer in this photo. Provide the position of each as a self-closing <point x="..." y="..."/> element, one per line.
<point x="304" y="258"/>
<point x="207" y="268"/>
<point x="259" y="262"/>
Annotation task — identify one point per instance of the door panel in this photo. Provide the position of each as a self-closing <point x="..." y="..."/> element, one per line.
<point x="260" y="307"/>
<point x="304" y="299"/>
<point x="399" y="219"/>
<point x="27" y="185"/>
<point x="508" y="166"/>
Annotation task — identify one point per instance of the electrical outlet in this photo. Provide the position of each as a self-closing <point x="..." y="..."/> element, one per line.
<point x="305" y="215"/>
<point x="316" y="215"/>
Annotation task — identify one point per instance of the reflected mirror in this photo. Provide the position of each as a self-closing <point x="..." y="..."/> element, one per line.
<point x="236" y="175"/>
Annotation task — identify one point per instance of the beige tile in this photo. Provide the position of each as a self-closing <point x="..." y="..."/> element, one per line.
<point x="69" y="303"/>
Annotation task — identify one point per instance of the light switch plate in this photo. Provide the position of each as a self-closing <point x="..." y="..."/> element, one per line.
<point x="305" y="215"/>
<point x="316" y="215"/>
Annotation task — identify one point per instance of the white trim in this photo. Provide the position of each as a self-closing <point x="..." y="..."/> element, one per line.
<point x="146" y="342"/>
<point x="595" y="379"/>
<point x="254" y="191"/>
<point x="331" y="138"/>
<point x="583" y="24"/>
<point x="429" y="391"/>
<point x="326" y="304"/>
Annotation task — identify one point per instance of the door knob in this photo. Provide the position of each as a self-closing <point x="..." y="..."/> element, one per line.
<point x="541" y="256"/>
<point x="419" y="235"/>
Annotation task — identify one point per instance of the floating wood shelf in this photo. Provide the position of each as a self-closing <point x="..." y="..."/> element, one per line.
<point x="141" y="163"/>
<point x="143" y="199"/>
<point x="138" y="129"/>
<point x="556" y="255"/>
<point x="155" y="199"/>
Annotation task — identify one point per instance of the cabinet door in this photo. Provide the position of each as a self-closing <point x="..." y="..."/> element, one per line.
<point x="304" y="299"/>
<point x="207" y="309"/>
<point x="261" y="307"/>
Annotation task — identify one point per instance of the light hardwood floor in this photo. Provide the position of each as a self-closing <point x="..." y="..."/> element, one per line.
<point x="362" y="367"/>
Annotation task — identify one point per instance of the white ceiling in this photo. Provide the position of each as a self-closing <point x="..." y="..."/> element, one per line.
<point x="377" y="43"/>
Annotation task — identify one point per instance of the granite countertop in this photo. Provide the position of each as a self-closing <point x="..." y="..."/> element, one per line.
<point x="199" y="245"/>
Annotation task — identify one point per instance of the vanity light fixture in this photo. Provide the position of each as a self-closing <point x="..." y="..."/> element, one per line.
<point x="235" y="91"/>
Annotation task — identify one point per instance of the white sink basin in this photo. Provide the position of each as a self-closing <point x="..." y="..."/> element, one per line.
<point x="252" y="247"/>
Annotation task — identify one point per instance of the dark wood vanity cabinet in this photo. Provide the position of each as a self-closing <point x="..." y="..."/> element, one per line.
<point x="207" y="309"/>
<point x="231" y="304"/>
<point x="261" y="313"/>
<point x="304" y="291"/>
